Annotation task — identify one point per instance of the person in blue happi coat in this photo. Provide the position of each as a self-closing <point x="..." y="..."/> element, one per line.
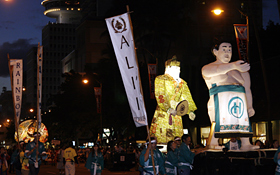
<point x="171" y="161"/>
<point x="95" y="161"/>
<point x="145" y="159"/>
<point x="186" y="156"/>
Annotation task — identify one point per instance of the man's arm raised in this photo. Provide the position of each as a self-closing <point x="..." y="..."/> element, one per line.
<point x="214" y="69"/>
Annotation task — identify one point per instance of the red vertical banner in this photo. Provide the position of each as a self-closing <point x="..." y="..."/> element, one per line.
<point x="152" y="68"/>
<point x="241" y="39"/>
<point x="98" y="94"/>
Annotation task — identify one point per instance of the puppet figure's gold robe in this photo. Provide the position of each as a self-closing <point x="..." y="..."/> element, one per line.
<point x="168" y="94"/>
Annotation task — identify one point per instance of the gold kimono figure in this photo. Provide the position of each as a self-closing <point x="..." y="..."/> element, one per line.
<point x="170" y="89"/>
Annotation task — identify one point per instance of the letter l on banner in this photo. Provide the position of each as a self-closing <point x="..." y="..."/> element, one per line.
<point x="121" y="35"/>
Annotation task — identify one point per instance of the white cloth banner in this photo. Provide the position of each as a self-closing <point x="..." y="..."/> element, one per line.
<point x="122" y="39"/>
<point x="17" y="66"/>
<point x="39" y="83"/>
<point x="233" y="112"/>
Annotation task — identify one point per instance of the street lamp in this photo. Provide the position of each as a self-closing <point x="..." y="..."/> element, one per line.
<point x="97" y="91"/>
<point x="85" y="81"/>
<point x="217" y="11"/>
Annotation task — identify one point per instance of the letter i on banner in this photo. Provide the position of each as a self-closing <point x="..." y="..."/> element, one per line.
<point x="122" y="39"/>
<point x="39" y="84"/>
<point x="15" y="67"/>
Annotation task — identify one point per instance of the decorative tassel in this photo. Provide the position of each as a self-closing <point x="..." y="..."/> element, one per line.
<point x="170" y="119"/>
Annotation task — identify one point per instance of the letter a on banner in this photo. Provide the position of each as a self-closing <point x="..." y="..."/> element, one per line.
<point x="15" y="67"/>
<point x="121" y="35"/>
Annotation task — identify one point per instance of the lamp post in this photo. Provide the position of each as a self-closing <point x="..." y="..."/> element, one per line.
<point x="98" y="101"/>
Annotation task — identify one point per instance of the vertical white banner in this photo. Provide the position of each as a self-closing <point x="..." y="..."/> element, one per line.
<point x="39" y="83"/>
<point x="16" y="65"/>
<point x="121" y="35"/>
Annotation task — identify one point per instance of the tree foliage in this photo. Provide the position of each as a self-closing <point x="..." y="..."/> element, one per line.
<point x="73" y="114"/>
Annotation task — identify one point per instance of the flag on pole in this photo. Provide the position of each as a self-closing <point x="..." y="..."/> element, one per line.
<point x="121" y="35"/>
<point x="39" y="83"/>
<point x="15" y="66"/>
<point x="241" y="39"/>
<point x="98" y="95"/>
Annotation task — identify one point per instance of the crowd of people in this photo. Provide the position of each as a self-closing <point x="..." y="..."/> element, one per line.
<point x="26" y="159"/>
<point x="179" y="157"/>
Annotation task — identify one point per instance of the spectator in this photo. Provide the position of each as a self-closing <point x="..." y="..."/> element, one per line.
<point x="233" y="144"/>
<point x="35" y="152"/>
<point x="4" y="161"/>
<point x="59" y="164"/>
<point x="137" y="152"/>
<point x="171" y="161"/>
<point x="24" y="162"/>
<point x="259" y="143"/>
<point x="118" y="148"/>
<point x="10" y="153"/>
<point x="275" y="144"/>
<point x="15" y="158"/>
<point x="95" y="161"/>
<point x="277" y="161"/>
<point x="69" y="159"/>
<point x="266" y="144"/>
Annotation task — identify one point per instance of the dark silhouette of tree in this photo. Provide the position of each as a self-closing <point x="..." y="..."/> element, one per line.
<point x="73" y="114"/>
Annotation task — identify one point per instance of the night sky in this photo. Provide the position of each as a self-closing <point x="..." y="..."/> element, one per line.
<point x="22" y="21"/>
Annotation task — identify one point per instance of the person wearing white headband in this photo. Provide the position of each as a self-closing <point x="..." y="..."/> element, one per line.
<point x="145" y="159"/>
<point x="177" y="141"/>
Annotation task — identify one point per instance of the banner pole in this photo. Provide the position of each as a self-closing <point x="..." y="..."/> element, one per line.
<point x="152" y="152"/>
<point x="248" y="39"/>
<point x="15" y="118"/>
<point x="38" y="97"/>
<point x="147" y="127"/>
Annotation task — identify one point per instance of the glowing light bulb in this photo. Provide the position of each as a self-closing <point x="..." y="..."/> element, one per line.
<point x="217" y="11"/>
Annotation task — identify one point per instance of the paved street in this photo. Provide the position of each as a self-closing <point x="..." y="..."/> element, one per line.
<point x="81" y="170"/>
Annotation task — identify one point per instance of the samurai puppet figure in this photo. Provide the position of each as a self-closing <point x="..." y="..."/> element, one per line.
<point x="173" y="101"/>
<point x="230" y="102"/>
